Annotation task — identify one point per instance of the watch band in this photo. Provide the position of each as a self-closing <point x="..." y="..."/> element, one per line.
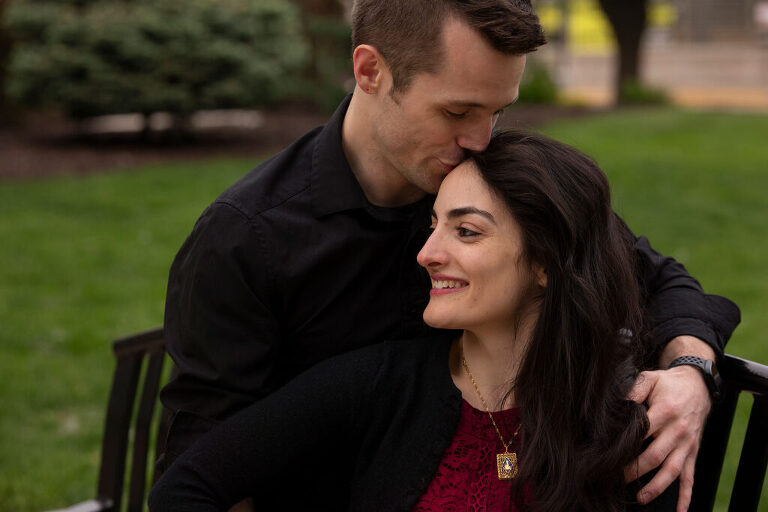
<point x="708" y="370"/>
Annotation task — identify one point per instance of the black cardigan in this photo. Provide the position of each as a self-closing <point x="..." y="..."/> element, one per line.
<point x="362" y="431"/>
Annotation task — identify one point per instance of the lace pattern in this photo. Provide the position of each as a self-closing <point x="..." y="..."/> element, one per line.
<point x="466" y="479"/>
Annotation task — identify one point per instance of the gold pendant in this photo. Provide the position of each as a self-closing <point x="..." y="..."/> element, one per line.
<point x="506" y="465"/>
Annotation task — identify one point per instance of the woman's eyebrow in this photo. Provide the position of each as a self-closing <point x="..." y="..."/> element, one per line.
<point x="467" y="210"/>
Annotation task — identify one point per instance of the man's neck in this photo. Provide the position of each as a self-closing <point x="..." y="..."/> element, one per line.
<point x="381" y="184"/>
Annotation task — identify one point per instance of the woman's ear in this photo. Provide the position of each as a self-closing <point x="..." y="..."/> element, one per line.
<point x="541" y="276"/>
<point x="369" y="68"/>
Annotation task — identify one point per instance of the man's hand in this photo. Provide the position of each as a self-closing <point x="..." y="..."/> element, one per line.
<point x="678" y="405"/>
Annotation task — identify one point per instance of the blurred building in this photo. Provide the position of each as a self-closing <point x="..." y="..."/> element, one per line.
<point x="717" y="20"/>
<point x="709" y="53"/>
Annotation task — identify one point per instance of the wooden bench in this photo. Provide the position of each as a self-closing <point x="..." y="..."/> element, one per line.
<point x="739" y="376"/>
<point x="143" y="355"/>
<point x="128" y="425"/>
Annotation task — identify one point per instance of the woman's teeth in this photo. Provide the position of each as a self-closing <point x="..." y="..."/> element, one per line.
<point x="447" y="284"/>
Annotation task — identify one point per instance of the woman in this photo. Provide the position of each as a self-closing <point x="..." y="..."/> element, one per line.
<point x="517" y="403"/>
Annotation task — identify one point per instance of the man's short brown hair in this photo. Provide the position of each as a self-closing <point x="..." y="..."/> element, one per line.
<point x="408" y="32"/>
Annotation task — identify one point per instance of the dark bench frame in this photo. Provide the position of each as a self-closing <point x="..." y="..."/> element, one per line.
<point x="144" y="351"/>
<point x="739" y="376"/>
<point x="148" y="349"/>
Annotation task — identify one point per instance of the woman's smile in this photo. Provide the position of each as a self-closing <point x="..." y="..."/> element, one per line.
<point x="442" y="284"/>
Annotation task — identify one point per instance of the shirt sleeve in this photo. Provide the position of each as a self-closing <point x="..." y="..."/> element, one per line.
<point x="220" y="328"/>
<point x="677" y="304"/>
<point x="306" y="432"/>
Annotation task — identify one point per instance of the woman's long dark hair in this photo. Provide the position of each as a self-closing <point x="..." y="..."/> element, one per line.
<point x="578" y="429"/>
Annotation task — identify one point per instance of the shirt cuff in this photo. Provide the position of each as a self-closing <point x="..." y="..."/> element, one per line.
<point x="675" y="327"/>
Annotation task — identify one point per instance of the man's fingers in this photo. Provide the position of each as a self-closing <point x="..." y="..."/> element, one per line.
<point x="656" y="453"/>
<point x="669" y="472"/>
<point x="631" y="471"/>
<point x="642" y="387"/>
<point x="653" y="456"/>
<point x="661" y="418"/>
<point x="686" y="484"/>
<point x="678" y="403"/>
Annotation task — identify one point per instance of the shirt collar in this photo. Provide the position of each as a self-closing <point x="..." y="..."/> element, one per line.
<point x="334" y="187"/>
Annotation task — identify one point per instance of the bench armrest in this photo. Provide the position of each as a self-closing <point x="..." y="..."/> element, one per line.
<point x="88" y="506"/>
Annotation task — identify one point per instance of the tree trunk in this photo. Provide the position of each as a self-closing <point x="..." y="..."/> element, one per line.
<point x="328" y="8"/>
<point x="313" y="10"/>
<point x="628" y="19"/>
<point x="5" y="51"/>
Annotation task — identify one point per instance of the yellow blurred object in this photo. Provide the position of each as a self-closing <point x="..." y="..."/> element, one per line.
<point x="662" y="15"/>
<point x="588" y="30"/>
<point x="551" y="18"/>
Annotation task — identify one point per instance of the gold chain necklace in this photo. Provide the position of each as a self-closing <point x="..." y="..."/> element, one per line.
<point x="506" y="463"/>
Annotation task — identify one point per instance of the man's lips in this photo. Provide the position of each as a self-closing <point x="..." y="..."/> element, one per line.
<point x="448" y="167"/>
<point x="442" y="284"/>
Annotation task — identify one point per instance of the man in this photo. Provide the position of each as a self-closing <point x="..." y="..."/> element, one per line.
<point x="314" y="252"/>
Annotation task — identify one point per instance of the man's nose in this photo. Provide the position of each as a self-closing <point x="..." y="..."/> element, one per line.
<point x="476" y="135"/>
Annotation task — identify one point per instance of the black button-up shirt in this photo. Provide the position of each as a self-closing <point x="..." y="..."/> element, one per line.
<point x="292" y="265"/>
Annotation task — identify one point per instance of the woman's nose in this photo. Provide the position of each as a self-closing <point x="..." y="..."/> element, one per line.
<point x="432" y="254"/>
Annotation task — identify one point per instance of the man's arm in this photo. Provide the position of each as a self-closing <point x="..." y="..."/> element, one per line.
<point x="687" y="322"/>
<point x="220" y="329"/>
<point x="306" y="430"/>
<point x="677" y="304"/>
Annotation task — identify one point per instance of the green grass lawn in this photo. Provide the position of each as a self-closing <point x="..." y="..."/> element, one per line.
<point x="84" y="260"/>
<point x="696" y="184"/>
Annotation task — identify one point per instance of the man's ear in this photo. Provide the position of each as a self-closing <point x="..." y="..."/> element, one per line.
<point x="370" y="69"/>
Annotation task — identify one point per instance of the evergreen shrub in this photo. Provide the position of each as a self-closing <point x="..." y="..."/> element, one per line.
<point x="537" y="85"/>
<point x="636" y="93"/>
<point x="93" y="58"/>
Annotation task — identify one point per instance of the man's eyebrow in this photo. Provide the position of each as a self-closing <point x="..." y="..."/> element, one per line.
<point x="467" y="210"/>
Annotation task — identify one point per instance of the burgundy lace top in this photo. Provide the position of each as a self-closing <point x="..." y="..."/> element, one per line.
<point x="467" y="479"/>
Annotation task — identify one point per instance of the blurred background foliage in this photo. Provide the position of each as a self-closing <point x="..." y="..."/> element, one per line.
<point x="91" y="57"/>
<point x="95" y="57"/>
<point x="177" y="56"/>
<point x="98" y="57"/>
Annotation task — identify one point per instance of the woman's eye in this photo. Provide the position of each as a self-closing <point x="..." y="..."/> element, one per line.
<point x="464" y="232"/>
